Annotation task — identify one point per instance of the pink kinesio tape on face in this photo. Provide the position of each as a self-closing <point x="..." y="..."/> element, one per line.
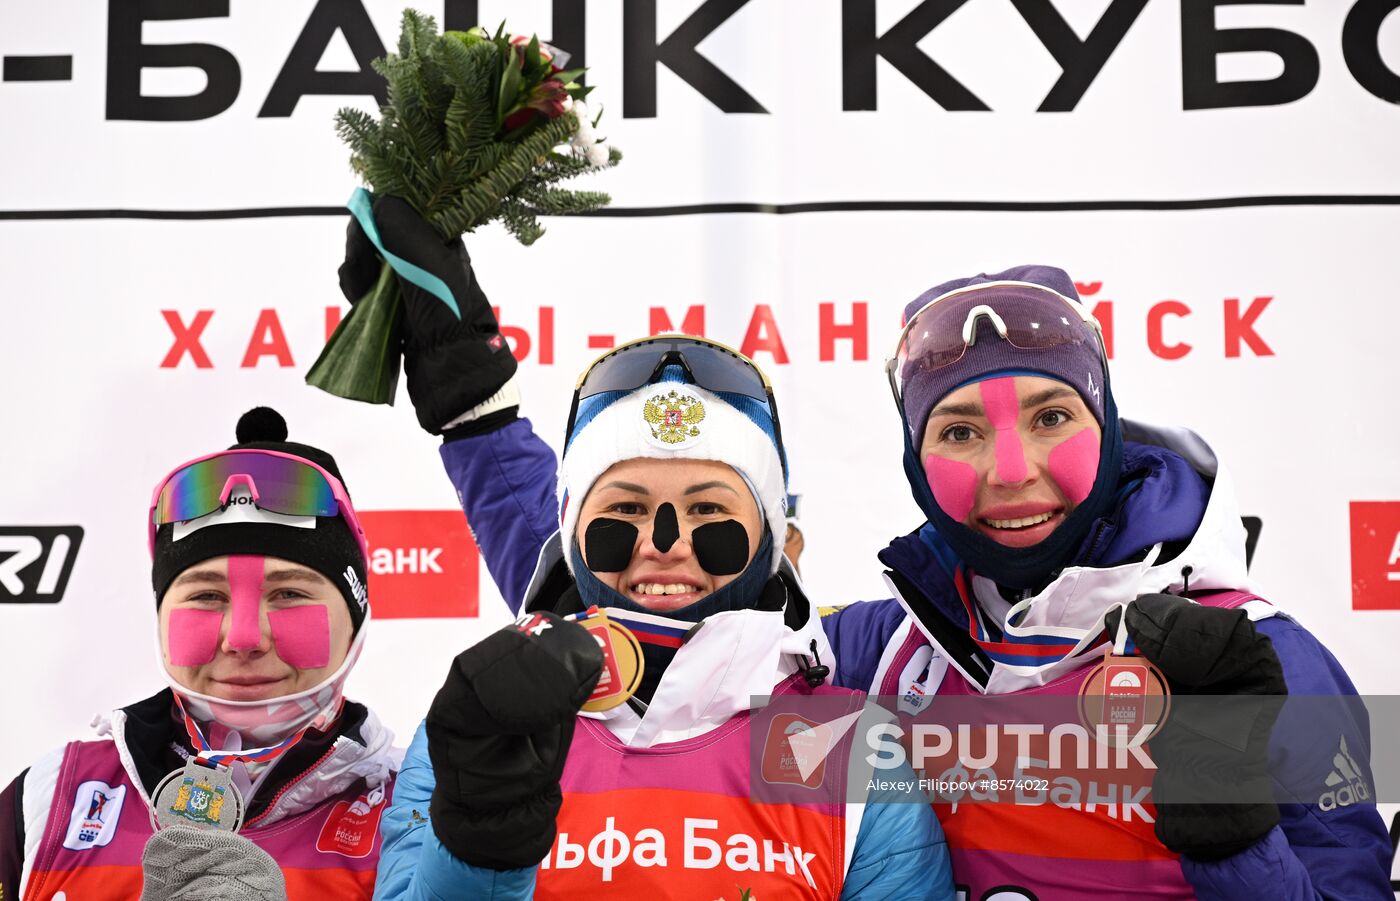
<point x="302" y="635"/>
<point x="193" y="636"/>
<point x="1003" y="409"/>
<point x="954" y="485"/>
<point x="245" y="579"/>
<point x="1074" y="465"/>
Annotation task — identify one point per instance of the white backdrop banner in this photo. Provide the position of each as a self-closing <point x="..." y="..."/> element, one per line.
<point x="1219" y="177"/>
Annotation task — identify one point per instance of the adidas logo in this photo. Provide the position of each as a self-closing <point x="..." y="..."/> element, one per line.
<point x="357" y="588"/>
<point x="1346" y="784"/>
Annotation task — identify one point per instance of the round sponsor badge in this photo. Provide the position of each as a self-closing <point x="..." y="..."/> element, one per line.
<point x="622" y="662"/>
<point x="199" y="795"/>
<point x="1124" y="699"/>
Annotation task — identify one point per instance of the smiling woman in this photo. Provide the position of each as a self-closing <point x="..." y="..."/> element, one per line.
<point x="258" y="568"/>
<point x="248" y="628"/>
<point x="672" y="507"/>
<point x="1011" y="457"/>
<point x="667" y="534"/>
<point x="1060" y="537"/>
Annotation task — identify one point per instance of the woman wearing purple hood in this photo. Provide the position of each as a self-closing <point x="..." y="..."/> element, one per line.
<point x="1050" y="521"/>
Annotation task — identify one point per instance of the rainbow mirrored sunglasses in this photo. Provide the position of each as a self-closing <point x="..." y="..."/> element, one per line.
<point x="708" y="364"/>
<point x="278" y="482"/>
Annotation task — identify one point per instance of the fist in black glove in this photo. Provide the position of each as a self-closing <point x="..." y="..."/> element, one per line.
<point x="498" y="734"/>
<point x="453" y="364"/>
<point x="1213" y="751"/>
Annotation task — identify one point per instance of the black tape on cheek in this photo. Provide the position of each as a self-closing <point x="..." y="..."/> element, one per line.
<point x="665" y="531"/>
<point x="608" y="545"/>
<point x="721" y="547"/>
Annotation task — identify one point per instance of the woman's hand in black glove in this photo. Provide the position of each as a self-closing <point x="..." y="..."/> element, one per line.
<point x="453" y="363"/>
<point x="1212" y="788"/>
<point x="498" y="734"/>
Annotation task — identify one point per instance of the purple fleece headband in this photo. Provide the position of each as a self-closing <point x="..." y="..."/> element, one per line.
<point x="1077" y="365"/>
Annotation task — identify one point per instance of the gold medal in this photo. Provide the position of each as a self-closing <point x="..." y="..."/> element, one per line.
<point x="622" y="662"/>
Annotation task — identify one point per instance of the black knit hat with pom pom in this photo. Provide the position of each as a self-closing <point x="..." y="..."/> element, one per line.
<point x="330" y="548"/>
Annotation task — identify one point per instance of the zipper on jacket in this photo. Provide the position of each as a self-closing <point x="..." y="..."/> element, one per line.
<point x="1094" y="543"/>
<point x="291" y="784"/>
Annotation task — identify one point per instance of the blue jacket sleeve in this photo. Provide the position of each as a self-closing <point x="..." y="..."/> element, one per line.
<point x="900" y="851"/>
<point x="858" y="634"/>
<point x="414" y="866"/>
<point x="505" y="483"/>
<point x="1328" y="850"/>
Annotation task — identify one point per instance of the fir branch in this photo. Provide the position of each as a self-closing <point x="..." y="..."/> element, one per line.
<point x="438" y="142"/>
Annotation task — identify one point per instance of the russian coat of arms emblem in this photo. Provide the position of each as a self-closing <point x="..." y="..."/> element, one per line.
<point x="674" y="417"/>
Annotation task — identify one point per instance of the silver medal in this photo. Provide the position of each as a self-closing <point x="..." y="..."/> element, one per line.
<point x="202" y="795"/>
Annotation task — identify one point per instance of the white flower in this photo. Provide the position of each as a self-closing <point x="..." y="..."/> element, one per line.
<point x="568" y="104"/>
<point x="598" y="155"/>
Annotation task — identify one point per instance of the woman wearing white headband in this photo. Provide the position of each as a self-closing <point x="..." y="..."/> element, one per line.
<point x="671" y="510"/>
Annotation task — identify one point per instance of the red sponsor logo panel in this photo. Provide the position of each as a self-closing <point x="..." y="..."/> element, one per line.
<point x="789" y="762"/>
<point x="1375" y="555"/>
<point x="350" y="828"/>
<point x="422" y="564"/>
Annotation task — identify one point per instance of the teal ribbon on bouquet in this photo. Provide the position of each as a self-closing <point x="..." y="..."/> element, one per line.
<point x="361" y="206"/>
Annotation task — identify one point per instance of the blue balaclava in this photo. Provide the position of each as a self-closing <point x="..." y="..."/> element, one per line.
<point x="1016" y="295"/>
<point x="675" y="419"/>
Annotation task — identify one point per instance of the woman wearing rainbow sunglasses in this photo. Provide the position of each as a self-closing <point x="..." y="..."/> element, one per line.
<point x="260" y="779"/>
<point x="1056" y="532"/>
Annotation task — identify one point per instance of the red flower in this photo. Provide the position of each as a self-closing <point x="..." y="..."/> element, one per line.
<point x="548" y="97"/>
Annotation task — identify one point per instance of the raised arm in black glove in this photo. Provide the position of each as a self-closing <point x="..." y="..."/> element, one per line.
<point x="498" y="734"/>
<point x="453" y="364"/>
<point x="1213" y="751"/>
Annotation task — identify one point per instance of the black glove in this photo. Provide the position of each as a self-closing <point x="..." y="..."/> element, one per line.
<point x="452" y="364"/>
<point x="1212" y="751"/>
<point x="498" y="733"/>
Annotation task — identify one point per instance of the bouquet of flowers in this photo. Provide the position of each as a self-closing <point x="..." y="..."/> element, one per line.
<point x="478" y="127"/>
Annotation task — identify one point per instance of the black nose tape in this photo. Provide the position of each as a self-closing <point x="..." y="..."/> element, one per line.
<point x="722" y="548"/>
<point x="608" y="545"/>
<point x="665" y="531"/>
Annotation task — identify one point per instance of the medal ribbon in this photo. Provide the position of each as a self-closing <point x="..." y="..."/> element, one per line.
<point x="1035" y="649"/>
<point x="649" y="628"/>
<point x="222" y="758"/>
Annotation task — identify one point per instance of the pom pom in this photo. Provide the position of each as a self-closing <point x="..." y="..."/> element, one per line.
<point x="261" y="424"/>
<point x="598" y="155"/>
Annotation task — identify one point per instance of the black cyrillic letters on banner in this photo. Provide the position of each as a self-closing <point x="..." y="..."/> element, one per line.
<point x="127" y="56"/>
<point x="299" y="75"/>
<point x="1202" y="42"/>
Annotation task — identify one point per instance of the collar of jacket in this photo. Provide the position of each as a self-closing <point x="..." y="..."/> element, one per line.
<point x="728" y="660"/>
<point x="152" y="743"/>
<point x="1176" y="523"/>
